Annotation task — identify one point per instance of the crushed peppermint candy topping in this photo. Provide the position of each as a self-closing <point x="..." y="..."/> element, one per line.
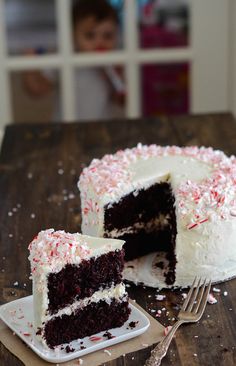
<point x="95" y="338"/>
<point x="233" y="212"/>
<point x="197" y="202"/>
<point x="211" y="299"/>
<point x="51" y="247"/>
<point x="215" y="289"/>
<point x="167" y="330"/>
<point x="160" y="297"/>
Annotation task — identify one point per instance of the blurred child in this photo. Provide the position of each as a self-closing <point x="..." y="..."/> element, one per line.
<point x="99" y="91"/>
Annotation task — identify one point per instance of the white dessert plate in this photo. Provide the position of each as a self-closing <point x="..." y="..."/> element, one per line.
<point x="18" y="315"/>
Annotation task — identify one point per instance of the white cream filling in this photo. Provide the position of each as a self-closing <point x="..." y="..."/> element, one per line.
<point x="156" y="223"/>
<point x="117" y="292"/>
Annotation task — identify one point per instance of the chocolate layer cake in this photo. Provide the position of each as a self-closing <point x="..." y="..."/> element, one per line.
<point x="77" y="286"/>
<point x="175" y="207"/>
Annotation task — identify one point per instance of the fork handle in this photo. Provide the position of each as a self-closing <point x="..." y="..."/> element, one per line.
<point x="160" y="350"/>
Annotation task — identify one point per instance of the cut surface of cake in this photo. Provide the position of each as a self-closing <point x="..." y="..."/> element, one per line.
<point x="174" y="207"/>
<point x="77" y="286"/>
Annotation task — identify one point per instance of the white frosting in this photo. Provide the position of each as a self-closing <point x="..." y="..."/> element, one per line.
<point x="203" y="181"/>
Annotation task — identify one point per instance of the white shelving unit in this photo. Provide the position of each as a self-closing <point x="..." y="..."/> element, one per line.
<point x="208" y="55"/>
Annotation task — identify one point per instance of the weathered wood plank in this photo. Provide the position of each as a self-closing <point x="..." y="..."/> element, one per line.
<point x="217" y="131"/>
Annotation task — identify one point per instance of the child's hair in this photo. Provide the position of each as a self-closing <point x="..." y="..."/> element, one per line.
<point x="99" y="9"/>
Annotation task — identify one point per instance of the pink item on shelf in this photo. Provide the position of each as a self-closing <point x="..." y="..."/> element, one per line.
<point x="164" y="86"/>
<point x="152" y="36"/>
<point x="165" y="89"/>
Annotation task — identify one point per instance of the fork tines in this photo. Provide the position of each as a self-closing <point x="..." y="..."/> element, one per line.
<point x="197" y="297"/>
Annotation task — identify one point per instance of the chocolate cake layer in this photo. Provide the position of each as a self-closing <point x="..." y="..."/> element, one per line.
<point x="140" y="207"/>
<point x="92" y="319"/>
<point x="142" y="243"/>
<point x="77" y="282"/>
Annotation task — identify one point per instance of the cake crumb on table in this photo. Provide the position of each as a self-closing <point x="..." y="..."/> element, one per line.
<point x="216" y="289"/>
<point x="211" y="299"/>
<point x="60" y="171"/>
<point x="160" y="297"/>
<point x="159" y="312"/>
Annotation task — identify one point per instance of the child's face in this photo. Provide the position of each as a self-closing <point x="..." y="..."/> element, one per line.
<point x="91" y="35"/>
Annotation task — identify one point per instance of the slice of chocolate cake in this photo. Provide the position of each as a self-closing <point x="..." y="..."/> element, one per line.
<point x="77" y="286"/>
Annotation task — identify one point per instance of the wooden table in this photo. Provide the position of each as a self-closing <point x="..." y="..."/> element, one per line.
<point x="39" y="169"/>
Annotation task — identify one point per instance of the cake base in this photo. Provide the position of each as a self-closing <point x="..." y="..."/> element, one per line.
<point x="92" y="319"/>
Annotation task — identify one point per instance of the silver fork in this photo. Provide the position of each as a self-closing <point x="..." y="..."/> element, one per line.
<point x="191" y="311"/>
